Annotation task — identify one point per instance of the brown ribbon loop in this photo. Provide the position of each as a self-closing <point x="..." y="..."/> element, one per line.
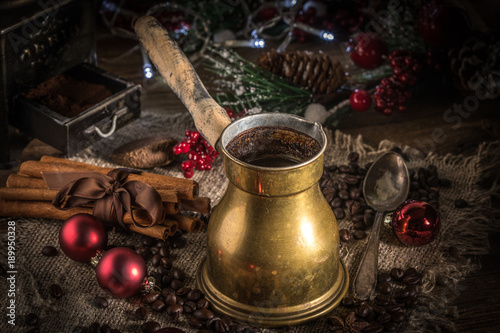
<point x="111" y="194"/>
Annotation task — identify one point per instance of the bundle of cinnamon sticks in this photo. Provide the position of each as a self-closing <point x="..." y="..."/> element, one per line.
<point x="26" y="195"/>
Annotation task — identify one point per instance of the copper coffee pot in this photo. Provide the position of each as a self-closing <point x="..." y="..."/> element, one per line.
<point x="273" y="241"/>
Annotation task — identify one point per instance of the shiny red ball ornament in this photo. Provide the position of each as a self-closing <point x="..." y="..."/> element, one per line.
<point x="81" y="236"/>
<point x="369" y="51"/>
<point x="416" y="223"/>
<point x="360" y="100"/>
<point x="121" y="272"/>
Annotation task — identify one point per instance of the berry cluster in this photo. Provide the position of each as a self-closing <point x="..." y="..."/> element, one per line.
<point x="199" y="152"/>
<point x="394" y="91"/>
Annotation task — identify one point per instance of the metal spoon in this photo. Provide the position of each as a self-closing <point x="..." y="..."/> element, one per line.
<point x="385" y="187"/>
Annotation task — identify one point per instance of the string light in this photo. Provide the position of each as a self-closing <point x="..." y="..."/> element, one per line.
<point x="146" y="65"/>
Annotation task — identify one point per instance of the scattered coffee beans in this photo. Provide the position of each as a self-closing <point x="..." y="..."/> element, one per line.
<point x="100" y="302"/>
<point x="55" y="291"/>
<point x="49" y="251"/>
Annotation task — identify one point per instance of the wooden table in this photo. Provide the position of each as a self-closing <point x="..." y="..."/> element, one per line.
<point x="478" y="296"/>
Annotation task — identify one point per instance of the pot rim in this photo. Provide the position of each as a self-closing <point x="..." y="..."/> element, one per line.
<point x="297" y="120"/>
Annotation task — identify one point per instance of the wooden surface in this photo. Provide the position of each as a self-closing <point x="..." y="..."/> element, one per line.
<point x="477" y="297"/>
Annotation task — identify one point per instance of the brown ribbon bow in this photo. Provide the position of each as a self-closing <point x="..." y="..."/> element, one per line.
<point x="112" y="194"/>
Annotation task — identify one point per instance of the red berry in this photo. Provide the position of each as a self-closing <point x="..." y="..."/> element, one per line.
<point x="369" y="51"/>
<point x="387" y="111"/>
<point x="177" y="149"/>
<point x="360" y="100"/>
<point x="195" y="135"/>
<point x="192" y="155"/>
<point x="184" y="147"/>
<point x="188" y="173"/>
<point x="208" y="167"/>
<point x="186" y="165"/>
<point x="229" y="112"/>
<point x="188" y="133"/>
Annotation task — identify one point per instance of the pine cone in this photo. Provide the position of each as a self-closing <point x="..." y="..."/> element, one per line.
<point x="476" y="66"/>
<point x="316" y="72"/>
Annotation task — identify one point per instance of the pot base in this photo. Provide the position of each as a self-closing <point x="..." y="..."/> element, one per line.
<point x="268" y="316"/>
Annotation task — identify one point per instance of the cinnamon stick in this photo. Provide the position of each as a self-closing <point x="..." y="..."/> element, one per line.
<point x="200" y="205"/>
<point x="171" y="208"/>
<point x="27" y="194"/>
<point x="45" y="210"/>
<point x="20" y="181"/>
<point x="187" y="223"/>
<point x="187" y="189"/>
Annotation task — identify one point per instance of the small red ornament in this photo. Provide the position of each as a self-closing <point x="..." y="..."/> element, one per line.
<point x="416" y="223"/>
<point x="369" y="51"/>
<point x="360" y="100"/>
<point x="121" y="272"/>
<point x="81" y="236"/>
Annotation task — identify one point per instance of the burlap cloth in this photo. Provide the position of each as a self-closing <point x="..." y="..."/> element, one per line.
<point x="467" y="229"/>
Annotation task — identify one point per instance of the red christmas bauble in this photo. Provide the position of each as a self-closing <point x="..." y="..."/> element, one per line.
<point x="360" y="100"/>
<point x="416" y="223"/>
<point x="121" y="272"/>
<point x="81" y="236"/>
<point x="442" y="24"/>
<point x="369" y="51"/>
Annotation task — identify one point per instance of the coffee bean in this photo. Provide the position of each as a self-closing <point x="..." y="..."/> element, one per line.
<point x="411" y="279"/>
<point x="180" y="300"/>
<point x="162" y="270"/>
<point x="398" y="317"/>
<point x="154" y="250"/>
<point x="170" y="299"/>
<point x="100" y="302"/>
<point x="411" y="301"/>
<point x="150" y="327"/>
<point x="355" y="208"/>
<point x="368" y="219"/>
<point x="392" y="308"/>
<point x="385" y="287"/>
<point x="359" y="226"/>
<point x="433" y="181"/>
<point x="179" y="274"/>
<point x="343" y="195"/>
<point x="329" y="197"/>
<point x="55" y="291"/>
<point x="412" y="290"/>
<point x="195" y="323"/>
<point x="182" y="292"/>
<point x="165" y="262"/>
<point x="348" y="302"/>
<point x="189" y="307"/>
<point x="345" y="169"/>
<point x="358" y="218"/>
<point x="179" y="243"/>
<point x="410" y="271"/>
<point x="151" y="297"/>
<point x="176" y="284"/>
<point x="33" y="330"/>
<point x="337" y="202"/>
<point x="351" y="179"/>
<point x="155" y="261"/>
<point x="331" y="168"/>
<point x="345" y="235"/>
<point x="203" y="314"/>
<point x="105" y="329"/>
<point x="355" y="193"/>
<point x="148" y="241"/>
<point x="194" y="295"/>
<point x="364" y="311"/>
<point x="432" y="170"/>
<point x="339" y="213"/>
<point x="353" y="157"/>
<point x="373" y="328"/>
<point x="358" y="234"/>
<point x="158" y="306"/>
<point x="49" y="251"/>
<point x="379" y="310"/>
<point x="383" y="277"/>
<point x="461" y="203"/>
<point x="31" y="319"/>
<point x="94" y="328"/>
<point x="390" y="327"/>
<point x="164" y="251"/>
<point x="402" y="295"/>
<point x="397" y="273"/>
<point x="141" y="313"/>
<point x="382" y="300"/>
<point x="144" y="252"/>
<point x="202" y="303"/>
<point x="384" y="318"/>
<point x="444" y="182"/>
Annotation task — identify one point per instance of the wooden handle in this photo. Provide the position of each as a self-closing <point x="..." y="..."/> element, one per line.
<point x="209" y="117"/>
